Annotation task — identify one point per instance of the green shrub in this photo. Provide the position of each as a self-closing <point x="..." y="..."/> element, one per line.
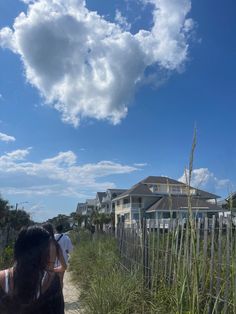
<point x="6" y="257"/>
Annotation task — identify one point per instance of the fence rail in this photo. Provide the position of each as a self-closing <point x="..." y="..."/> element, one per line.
<point x="197" y="256"/>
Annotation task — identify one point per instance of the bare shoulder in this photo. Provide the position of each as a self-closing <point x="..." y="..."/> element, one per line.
<point x="2" y="278"/>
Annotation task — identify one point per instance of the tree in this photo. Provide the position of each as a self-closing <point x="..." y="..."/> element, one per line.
<point x="4" y="209"/>
<point x="60" y="219"/>
<point x="100" y="219"/>
<point x="18" y="219"/>
<point x="11" y="221"/>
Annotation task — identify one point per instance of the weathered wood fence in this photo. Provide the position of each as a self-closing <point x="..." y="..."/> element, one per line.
<point x="191" y="256"/>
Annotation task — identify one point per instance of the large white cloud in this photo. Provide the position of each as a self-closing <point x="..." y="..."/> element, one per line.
<point x="60" y="175"/>
<point x="84" y="65"/>
<point x="204" y="178"/>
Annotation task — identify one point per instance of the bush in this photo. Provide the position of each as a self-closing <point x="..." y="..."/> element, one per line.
<point x="6" y="258"/>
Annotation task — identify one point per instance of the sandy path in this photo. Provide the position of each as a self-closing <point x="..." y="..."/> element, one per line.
<point x="71" y="296"/>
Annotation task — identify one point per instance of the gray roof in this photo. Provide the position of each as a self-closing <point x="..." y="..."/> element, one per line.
<point x="207" y="195"/>
<point x="91" y="201"/>
<point x="117" y="190"/>
<point x="100" y="196"/>
<point x="137" y="189"/>
<point x="141" y="188"/>
<point x="181" y="202"/>
<point x="161" y="180"/>
<point x="231" y="196"/>
<point x="166" y="180"/>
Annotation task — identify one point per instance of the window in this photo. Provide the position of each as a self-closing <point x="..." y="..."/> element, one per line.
<point x="176" y="189"/>
<point x="127" y="216"/>
<point x="151" y="215"/>
<point x="136" y="216"/>
<point x="166" y="215"/>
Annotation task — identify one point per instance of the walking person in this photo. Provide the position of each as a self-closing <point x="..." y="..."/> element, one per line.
<point x="55" y="251"/>
<point x="30" y="287"/>
<point x="66" y="245"/>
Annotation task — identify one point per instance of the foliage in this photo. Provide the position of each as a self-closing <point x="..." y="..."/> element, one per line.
<point x="11" y="221"/>
<point x="63" y="220"/>
<point x="4" y="209"/>
<point x="100" y="219"/>
<point x="6" y="257"/>
<point x="17" y="219"/>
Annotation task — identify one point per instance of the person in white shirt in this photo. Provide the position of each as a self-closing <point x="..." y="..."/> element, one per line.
<point x="65" y="243"/>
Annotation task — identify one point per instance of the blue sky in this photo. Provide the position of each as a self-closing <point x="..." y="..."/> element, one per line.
<point x="104" y="93"/>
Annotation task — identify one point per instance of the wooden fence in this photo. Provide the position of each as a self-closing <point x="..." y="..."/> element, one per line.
<point x="192" y="257"/>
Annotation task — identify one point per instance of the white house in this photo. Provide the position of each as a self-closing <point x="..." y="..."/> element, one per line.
<point x="86" y="208"/>
<point x="104" y="200"/>
<point x="163" y="197"/>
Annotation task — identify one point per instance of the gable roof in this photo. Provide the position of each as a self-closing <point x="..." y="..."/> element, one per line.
<point x="100" y="196"/>
<point x="160" y="180"/>
<point x="231" y="196"/>
<point x="205" y="194"/>
<point x="137" y="189"/>
<point x="117" y="190"/>
<point x="166" y="180"/>
<point x="142" y="189"/>
<point x="180" y="203"/>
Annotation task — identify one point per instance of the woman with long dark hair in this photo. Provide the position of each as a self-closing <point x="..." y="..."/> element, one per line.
<point x="29" y="287"/>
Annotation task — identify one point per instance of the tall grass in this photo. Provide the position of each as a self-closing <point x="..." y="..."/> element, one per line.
<point x="190" y="285"/>
<point x="106" y="288"/>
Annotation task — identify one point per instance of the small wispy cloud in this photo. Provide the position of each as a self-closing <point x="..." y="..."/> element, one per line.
<point x="6" y="138"/>
<point x="141" y="164"/>
<point x="122" y="21"/>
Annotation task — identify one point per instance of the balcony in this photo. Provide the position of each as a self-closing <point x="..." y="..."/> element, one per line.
<point x="129" y="206"/>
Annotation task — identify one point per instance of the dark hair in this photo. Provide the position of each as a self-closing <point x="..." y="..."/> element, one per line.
<point x="49" y="227"/>
<point x="59" y="228"/>
<point x="31" y="254"/>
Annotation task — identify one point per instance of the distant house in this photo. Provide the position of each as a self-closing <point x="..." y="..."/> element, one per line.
<point x="231" y="201"/>
<point x="100" y="207"/>
<point x="86" y="208"/>
<point x="163" y="197"/>
<point x="104" y="200"/>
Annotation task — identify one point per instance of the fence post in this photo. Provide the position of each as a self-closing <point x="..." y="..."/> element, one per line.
<point x="212" y="263"/>
<point x="219" y="264"/>
<point x="121" y="235"/>
<point x="227" y="266"/>
<point x="146" y="268"/>
<point x="205" y="239"/>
